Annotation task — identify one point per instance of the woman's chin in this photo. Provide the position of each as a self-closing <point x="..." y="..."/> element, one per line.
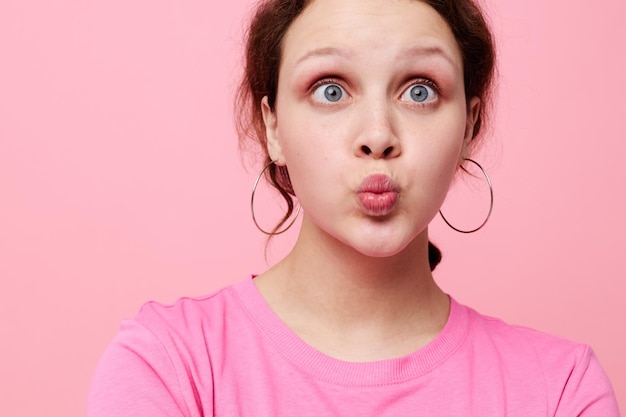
<point x="381" y="248"/>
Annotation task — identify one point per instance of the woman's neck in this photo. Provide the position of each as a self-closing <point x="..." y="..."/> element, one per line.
<point x="352" y="306"/>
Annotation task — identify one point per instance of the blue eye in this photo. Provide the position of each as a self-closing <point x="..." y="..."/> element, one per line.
<point x="419" y="93"/>
<point x="328" y="92"/>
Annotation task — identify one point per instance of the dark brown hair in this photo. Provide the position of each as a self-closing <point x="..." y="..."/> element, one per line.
<point x="263" y="53"/>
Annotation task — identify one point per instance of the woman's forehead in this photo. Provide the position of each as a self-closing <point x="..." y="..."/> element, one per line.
<point x="350" y="26"/>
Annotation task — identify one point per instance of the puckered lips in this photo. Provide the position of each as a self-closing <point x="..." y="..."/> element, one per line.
<point x="377" y="194"/>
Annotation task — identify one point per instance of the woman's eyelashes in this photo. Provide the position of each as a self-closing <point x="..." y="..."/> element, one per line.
<point x="422" y="91"/>
<point x="327" y="91"/>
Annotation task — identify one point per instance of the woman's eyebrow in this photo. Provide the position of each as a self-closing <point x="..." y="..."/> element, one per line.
<point x="428" y="51"/>
<point x="326" y="51"/>
<point x="410" y="52"/>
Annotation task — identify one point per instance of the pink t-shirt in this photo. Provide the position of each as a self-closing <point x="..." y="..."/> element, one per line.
<point x="228" y="354"/>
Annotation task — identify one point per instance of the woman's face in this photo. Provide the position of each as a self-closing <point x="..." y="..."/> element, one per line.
<point x="371" y="119"/>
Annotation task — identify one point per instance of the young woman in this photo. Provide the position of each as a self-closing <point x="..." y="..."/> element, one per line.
<point x="366" y="110"/>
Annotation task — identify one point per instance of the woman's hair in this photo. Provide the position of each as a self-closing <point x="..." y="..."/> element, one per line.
<point x="263" y="57"/>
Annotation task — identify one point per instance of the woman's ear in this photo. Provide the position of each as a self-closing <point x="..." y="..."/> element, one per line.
<point x="274" y="149"/>
<point x="473" y="111"/>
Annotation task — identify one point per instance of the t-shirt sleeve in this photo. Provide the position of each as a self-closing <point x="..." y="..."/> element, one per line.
<point x="137" y="376"/>
<point x="588" y="392"/>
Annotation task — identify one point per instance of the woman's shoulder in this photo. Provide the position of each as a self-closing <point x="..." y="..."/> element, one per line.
<point x="504" y="335"/>
<point x="166" y="350"/>
<point x="185" y="309"/>
<point x="515" y="341"/>
<point x="191" y="317"/>
<point x="561" y="363"/>
<point x="567" y="372"/>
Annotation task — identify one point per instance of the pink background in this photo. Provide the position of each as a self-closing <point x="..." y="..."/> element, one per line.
<point x="120" y="180"/>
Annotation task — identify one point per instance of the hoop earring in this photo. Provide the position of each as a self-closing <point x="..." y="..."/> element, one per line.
<point x="256" y="183"/>
<point x="490" y="204"/>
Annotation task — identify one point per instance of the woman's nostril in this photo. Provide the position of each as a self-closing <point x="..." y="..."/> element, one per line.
<point x="366" y="150"/>
<point x="387" y="151"/>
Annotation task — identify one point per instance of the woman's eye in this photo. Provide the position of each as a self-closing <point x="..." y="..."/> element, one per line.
<point x="419" y="93"/>
<point x="328" y="92"/>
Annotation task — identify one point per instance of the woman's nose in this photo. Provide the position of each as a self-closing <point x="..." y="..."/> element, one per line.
<point x="376" y="138"/>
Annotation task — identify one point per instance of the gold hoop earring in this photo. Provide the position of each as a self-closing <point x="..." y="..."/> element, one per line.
<point x="256" y="183"/>
<point x="490" y="204"/>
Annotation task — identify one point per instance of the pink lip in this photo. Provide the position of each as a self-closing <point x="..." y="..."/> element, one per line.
<point x="378" y="194"/>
